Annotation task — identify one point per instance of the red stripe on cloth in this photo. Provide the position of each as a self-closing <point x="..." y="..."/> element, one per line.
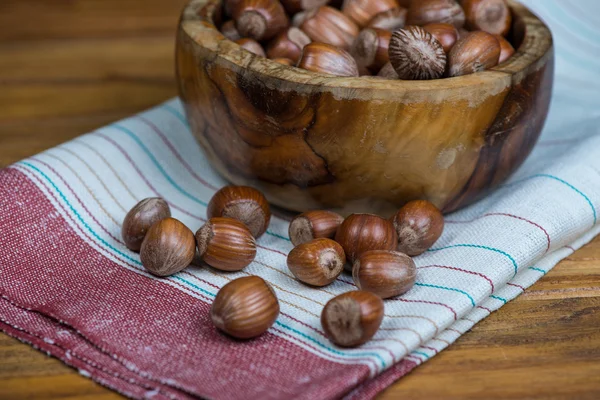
<point x="150" y="327"/>
<point x="462" y="270"/>
<point x="515" y="285"/>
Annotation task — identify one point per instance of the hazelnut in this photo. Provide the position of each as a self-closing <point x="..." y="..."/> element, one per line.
<point x="492" y="16"/>
<point x="284" y="61"/>
<point x="390" y="20"/>
<point x="245" y="307"/>
<point x="318" y="262"/>
<point x="230" y="5"/>
<point x="140" y="218"/>
<point x="362" y="11"/>
<point x="385" y="273"/>
<point x="446" y="34"/>
<point x="362" y="232"/>
<point x="294" y="6"/>
<point x="314" y="224"/>
<point x="370" y="49"/>
<point x="352" y="318"/>
<point x="243" y="203"/>
<point x="259" y="19"/>
<point x="168" y="247"/>
<point x="506" y="49"/>
<point x="229" y="30"/>
<point x="328" y="25"/>
<point x="288" y="44"/>
<point x="475" y="52"/>
<point x="252" y="46"/>
<point x="416" y="54"/>
<point x="226" y="244"/>
<point x="418" y="225"/>
<point x="424" y="12"/>
<point x="327" y="59"/>
<point x="388" y="72"/>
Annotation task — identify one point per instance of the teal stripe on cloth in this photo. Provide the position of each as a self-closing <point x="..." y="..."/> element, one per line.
<point x="538" y="269"/>
<point x="499" y="298"/>
<point x="448" y="288"/>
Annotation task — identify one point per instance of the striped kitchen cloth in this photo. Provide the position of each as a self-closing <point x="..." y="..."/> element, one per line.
<point x="71" y="288"/>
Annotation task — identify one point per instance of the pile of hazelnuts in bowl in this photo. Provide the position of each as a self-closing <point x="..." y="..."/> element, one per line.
<point x="376" y="250"/>
<point x="392" y="39"/>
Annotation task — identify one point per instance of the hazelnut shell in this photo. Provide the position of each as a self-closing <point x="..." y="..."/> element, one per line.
<point x="243" y="203"/>
<point x="314" y="224"/>
<point x="362" y="232"/>
<point x="318" y="262"/>
<point x="168" y="247"/>
<point x="245" y="307"/>
<point x="226" y="244"/>
<point x="352" y="318"/>
<point x="419" y="224"/>
<point x="140" y="218"/>
<point x="385" y="273"/>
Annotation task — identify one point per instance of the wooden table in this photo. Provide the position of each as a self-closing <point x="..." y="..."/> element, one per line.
<point x="67" y="67"/>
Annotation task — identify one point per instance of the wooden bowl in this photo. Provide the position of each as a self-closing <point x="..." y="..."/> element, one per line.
<point x="312" y="141"/>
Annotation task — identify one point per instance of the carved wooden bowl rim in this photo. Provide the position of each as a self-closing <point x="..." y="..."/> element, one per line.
<point x="197" y="22"/>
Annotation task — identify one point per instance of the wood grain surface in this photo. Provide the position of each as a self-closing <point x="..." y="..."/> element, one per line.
<point x="79" y="64"/>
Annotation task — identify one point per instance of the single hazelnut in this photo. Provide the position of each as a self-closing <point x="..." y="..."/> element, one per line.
<point x="424" y="12"/>
<point x="416" y="54"/>
<point x="243" y="203"/>
<point x="362" y="11"/>
<point x="362" y="232"/>
<point x="245" y="307"/>
<point x="492" y="16"/>
<point x="385" y="273"/>
<point x="295" y="6"/>
<point x="327" y="59"/>
<point x="318" y="262"/>
<point x="446" y="34"/>
<point x="140" y="218"/>
<point x="418" y="225"/>
<point x="229" y="30"/>
<point x="370" y="49"/>
<point x="506" y="49"/>
<point x="168" y="247"/>
<point x="252" y="46"/>
<point x="475" y="52"/>
<point x="313" y="225"/>
<point x="260" y="19"/>
<point x="388" y="72"/>
<point x="288" y="44"/>
<point x="352" y="318"/>
<point x="328" y="25"/>
<point x="284" y="61"/>
<point x="390" y="20"/>
<point x="226" y="244"/>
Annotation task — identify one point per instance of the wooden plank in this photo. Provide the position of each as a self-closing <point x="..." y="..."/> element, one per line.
<point x="48" y="19"/>
<point x="76" y="65"/>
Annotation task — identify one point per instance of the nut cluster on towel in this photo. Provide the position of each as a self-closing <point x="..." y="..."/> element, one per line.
<point x="391" y="39"/>
<point x="377" y="251"/>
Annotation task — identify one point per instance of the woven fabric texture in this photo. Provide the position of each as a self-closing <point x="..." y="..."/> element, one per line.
<point x="71" y="288"/>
